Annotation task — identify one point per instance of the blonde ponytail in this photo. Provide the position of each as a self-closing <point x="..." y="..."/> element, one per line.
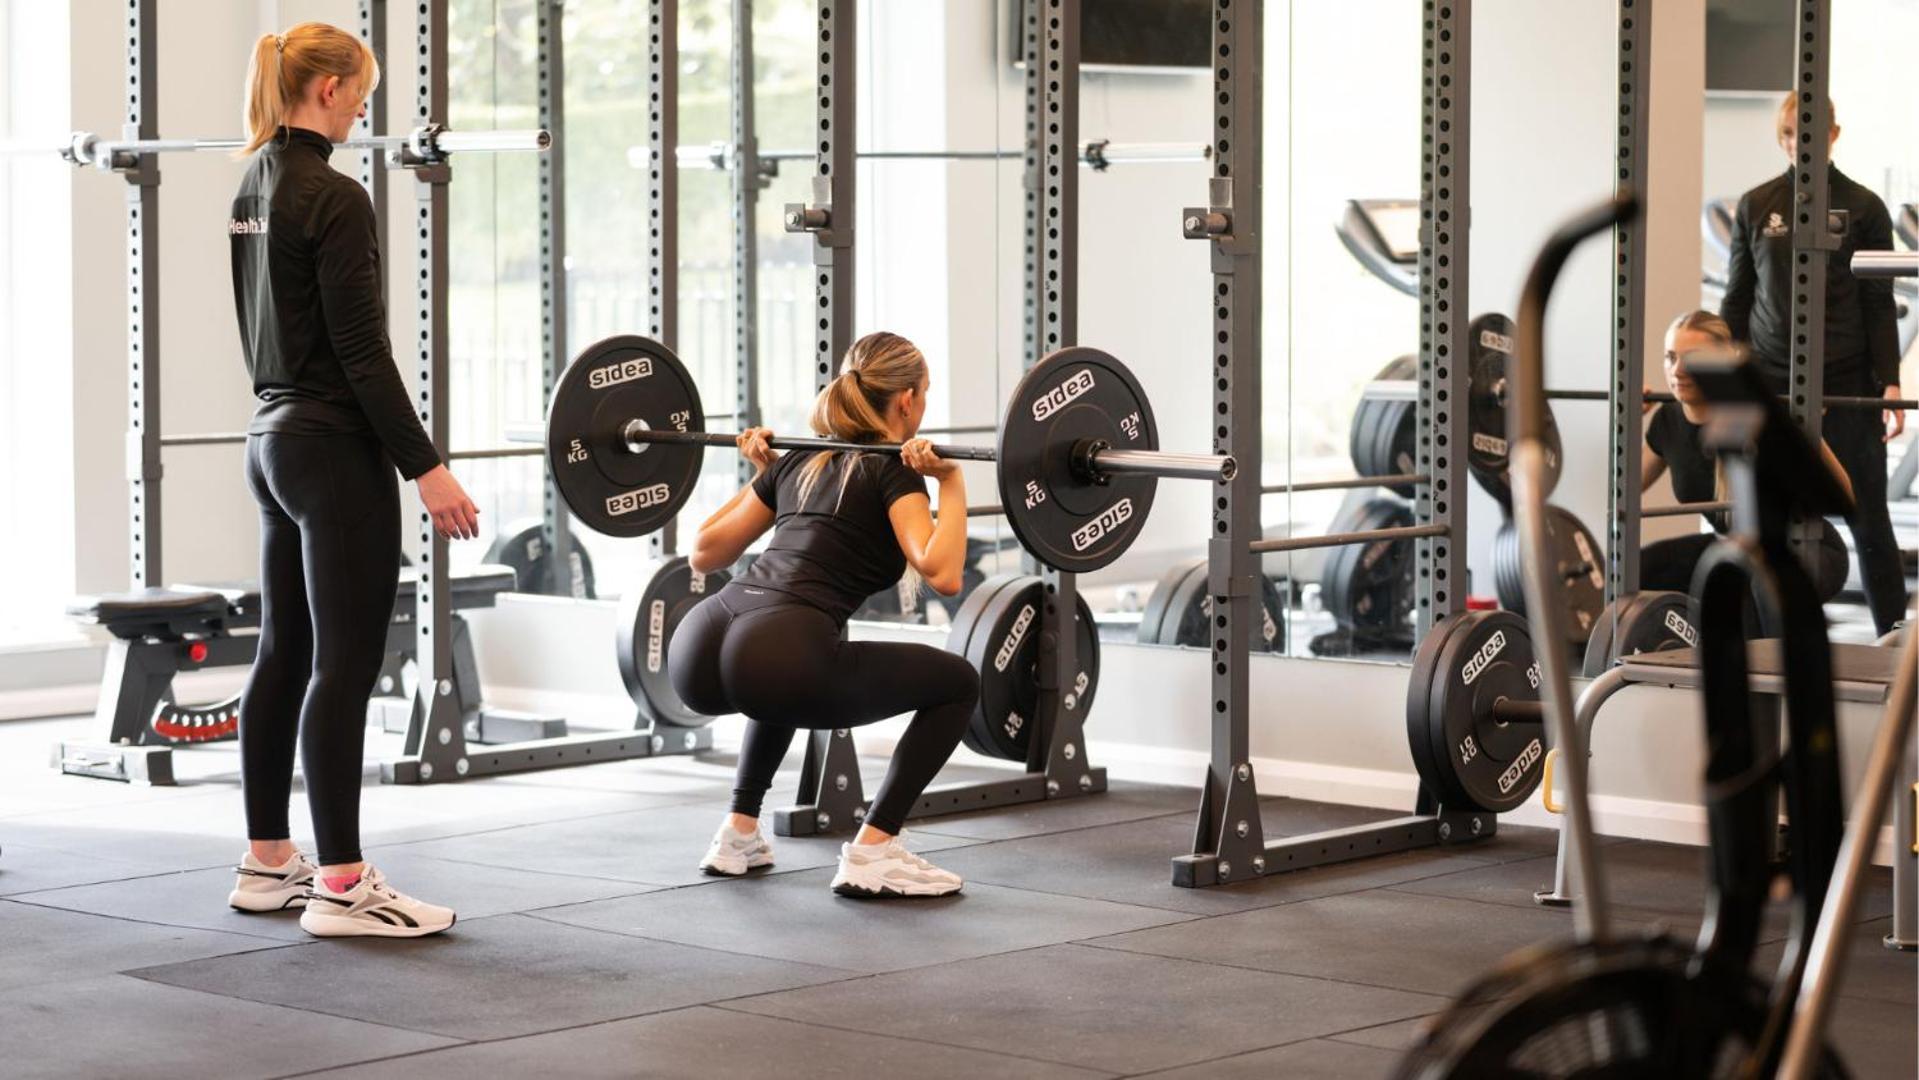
<point x="852" y="408"/>
<point x="284" y="64"/>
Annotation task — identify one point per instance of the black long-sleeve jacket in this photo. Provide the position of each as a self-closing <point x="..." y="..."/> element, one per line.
<point x="1862" y="331"/>
<point x="306" y="287"/>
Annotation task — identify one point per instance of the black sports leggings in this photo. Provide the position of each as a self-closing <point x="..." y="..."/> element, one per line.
<point x="329" y="553"/>
<point x="783" y="664"/>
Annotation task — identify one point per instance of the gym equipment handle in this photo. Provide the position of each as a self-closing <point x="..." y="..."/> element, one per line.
<point x="1103" y="460"/>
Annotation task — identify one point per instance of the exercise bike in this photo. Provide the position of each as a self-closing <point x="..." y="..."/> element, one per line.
<point x="1609" y="1005"/>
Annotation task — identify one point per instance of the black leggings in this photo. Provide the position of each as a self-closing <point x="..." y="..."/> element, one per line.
<point x="1669" y="564"/>
<point x="784" y="665"/>
<point x="1857" y="438"/>
<point x="329" y="559"/>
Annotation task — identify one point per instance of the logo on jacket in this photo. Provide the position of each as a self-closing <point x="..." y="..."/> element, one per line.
<point x="247" y="226"/>
<point x="1775" y="224"/>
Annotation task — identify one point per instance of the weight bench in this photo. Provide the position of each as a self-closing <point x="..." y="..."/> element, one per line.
<point x="1861" y="673"/>
<point x="391" y="709"/>
<point x="160" y="633"/>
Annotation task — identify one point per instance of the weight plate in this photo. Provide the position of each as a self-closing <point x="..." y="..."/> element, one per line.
<point x="1648" y="622"/>
<point x="1004" y="649"/>
<point x="959" y="637"/>
<point x="643" y="637"/>
<point x="1488" y="456"/>
<point x="1189" y="617"/>
<point x="1161" y="601"/>
<point x="1582" y="570"/>
<point x="1364" y="440"/>
<point x="610" y="488"/>
<point x="1419" y="700"/>
<point x="1067" y="522"/>
<point x="523" y="547"/>
<point x="1368" y="587"/>
<point x="1599" y="655"/>
<point x="1477" y="762"/>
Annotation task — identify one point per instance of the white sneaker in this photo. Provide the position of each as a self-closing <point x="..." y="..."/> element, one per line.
<point x="883" y="870"/>
<point x="370" y="909"/>
<point x="258" y="887"/>
<point x="733" y="852"/>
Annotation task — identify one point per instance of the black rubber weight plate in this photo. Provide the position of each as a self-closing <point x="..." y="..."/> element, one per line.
<point x="648" y="618"/>
<point x="966" y="626"/>
<point x="1479" y="762"/>
<point x="1419" y="700"/>
<point x="1161" y="599"/>
<point x="1599" y="654"/>
<point x="1489" y="455"/>
<point x="1368" y="586"/>
<point x="1581" y="570"/>
<point x="610" y="488"/>
<point x="1189" y="622"/>
<point x="523" y="548"/>
<point x="1663" y="622"/>
<point x="1004" y="649"/>
<point x="1074" y="394"/>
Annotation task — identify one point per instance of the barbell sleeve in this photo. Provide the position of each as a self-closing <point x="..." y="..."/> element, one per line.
<point x="1112" y="462"/>
<point x="1885" y="264"/>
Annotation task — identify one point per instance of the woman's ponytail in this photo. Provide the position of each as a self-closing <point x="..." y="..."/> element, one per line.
<point x="283" y="65"/>
<point x="266" y="107"/>
<point x="852" y="408"/>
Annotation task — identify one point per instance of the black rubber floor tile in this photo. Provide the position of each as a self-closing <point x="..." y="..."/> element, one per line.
<point x="1396" y="1036"/>
<point x="1646" y="882"/>
<point x="1380" y="938"/>
<point x="1120" y="802"/>
<point x="1872" y="971"/>
<point x="198" y="898"/>
<point x="660" y="846"/>
<point x="26" y="868"/>
<point x="491" y="978"/>
<point x="130" y="1029"/>
<point x="1314" y="1059"/>
<point x="797" y="917"/>
<point x="1131" y="862"/>
<point x="40" y="945"/>
<point x="1875" y="1038"/>
<point x="1095" y="1008"/>
<point x="712" y="1044"/>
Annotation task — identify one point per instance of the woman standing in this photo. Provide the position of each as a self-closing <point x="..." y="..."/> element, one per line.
<point x="334" y="420"/>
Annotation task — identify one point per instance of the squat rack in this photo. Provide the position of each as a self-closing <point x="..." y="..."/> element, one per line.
<point x="1229" y="843"/>
<point x="1057" y="766"/>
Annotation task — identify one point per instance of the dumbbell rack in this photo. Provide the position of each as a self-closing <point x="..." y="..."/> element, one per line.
<point x="832" y="797"/>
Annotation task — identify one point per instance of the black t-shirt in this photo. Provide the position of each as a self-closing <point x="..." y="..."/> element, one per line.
<point x="839" y="548"/>
<point x="1694" y="468"/>
<point x="306" y="288"/>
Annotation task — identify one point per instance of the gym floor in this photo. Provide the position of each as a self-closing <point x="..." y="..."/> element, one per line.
<point x="589" y="945"/>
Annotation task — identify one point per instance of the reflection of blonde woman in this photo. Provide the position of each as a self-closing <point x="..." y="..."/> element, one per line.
<point x="333" y="422"/>
<point x="1673" y="442"/>
<point x="770" y="644"/>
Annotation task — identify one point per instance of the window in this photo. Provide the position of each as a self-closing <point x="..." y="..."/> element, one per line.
<point x="36" y="469"/>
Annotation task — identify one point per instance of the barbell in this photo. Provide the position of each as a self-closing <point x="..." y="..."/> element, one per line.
<point x="1078" y="449"/>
